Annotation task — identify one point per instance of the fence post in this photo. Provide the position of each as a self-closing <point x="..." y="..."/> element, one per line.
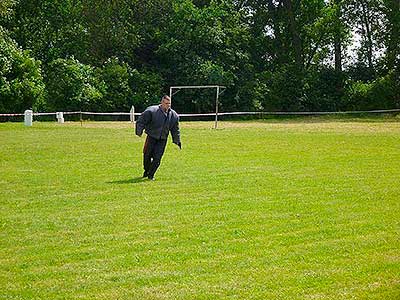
<point x="28" y="117"/>
<point x="132" y="114"/>
<point x="60" y="117"/>
<point x="216" y="108"/>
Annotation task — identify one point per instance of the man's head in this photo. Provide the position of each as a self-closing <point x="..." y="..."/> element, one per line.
<point x="165" y="103"/>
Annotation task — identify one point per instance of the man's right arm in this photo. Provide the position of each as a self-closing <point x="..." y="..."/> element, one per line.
<point x="144" y="119"/>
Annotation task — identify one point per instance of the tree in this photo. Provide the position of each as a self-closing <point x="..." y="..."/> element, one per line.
<point x="112" y="30"/>
<point x="118" y="94"/>
<point x="294" y="30"/>
<point x="290" y="39"/>
<point x="392" y="33"/>
<point x="204" y="45"/>
<point x="6" y="8"/>
<point x="367" y="18"/>
<point x="21" y="82"/>
<point x="73" y="86"/>
<point x="272" y="54"/>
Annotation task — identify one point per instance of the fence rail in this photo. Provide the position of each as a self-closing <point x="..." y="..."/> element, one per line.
<point x="212" y="114"/>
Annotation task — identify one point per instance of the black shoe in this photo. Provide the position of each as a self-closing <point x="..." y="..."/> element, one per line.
<point x="145" y="174"/>
<point x="151" y="178"/>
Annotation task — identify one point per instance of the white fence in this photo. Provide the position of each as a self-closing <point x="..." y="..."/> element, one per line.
<point x="29" y="114"/>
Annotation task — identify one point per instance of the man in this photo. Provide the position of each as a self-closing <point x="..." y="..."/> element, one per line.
<point x="157" y="121"/>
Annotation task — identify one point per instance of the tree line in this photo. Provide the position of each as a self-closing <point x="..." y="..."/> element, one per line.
<point x="273" y="55"/>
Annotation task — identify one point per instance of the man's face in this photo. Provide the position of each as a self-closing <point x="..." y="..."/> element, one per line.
<point x="165" y="104"/>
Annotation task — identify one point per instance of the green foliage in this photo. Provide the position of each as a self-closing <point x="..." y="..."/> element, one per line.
<point x="391" y="33"/>
<point x="73" y="86"/>
<point x="285" y="89"/>
<point x="146" y="87"/>
<point x="205" y="44"/>
<point x="21" y="82"/>
<point x="118" y="94"/>
<point x="273" y="55"/>
<point x="323" y="89"/>
<point x="386" y="91"/>
<point x="50" y="29"/>
<point x="382" y="93"/>
<point x="6" y="8"/>
<point x="358" y="95"/>
<point x="252" y="95"/>
<point x="111" y="30"/>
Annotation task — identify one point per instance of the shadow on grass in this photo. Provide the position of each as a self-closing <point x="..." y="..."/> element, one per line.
<point x="128" y="181"/>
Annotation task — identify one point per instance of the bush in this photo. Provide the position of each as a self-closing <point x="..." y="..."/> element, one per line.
<point x="118" y="94"/>
<point x="323" y="90"/>
<point x="382" y="93"/>
<point x="21" y="82"/>
<point x="285" y="89"/>
<point x="146" y="88"/>
<point x="385" y="91"/>
<point x="72" y="85"/>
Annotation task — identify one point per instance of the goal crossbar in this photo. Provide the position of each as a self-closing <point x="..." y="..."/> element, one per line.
<point x="197" y="86"/>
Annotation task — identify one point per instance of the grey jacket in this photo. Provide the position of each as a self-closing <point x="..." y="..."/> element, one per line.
<point x="157" y="125"/>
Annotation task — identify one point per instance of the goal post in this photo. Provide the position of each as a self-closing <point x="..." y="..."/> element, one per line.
<point x="219" y="88"/>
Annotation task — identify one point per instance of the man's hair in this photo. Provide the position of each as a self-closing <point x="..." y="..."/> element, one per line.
<point x="165" y="97"/>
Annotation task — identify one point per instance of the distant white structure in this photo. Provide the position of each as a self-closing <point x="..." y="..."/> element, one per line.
<point x="28" y="117"/>
<point x="60" y="117"/>
<point x="132" y="114"/>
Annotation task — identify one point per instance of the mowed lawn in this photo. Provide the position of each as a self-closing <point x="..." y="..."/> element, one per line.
<point x="302" y="209"/>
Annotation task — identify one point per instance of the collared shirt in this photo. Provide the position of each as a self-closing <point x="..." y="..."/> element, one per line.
<point x="165" y="112"/>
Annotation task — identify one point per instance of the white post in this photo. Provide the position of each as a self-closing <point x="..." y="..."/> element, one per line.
<point x="132" y="114"/>
<point x="28" y="117"/>
<point x="60" y="117"/>
<point x="216" y="109"/>
<point x="170" y="94"/>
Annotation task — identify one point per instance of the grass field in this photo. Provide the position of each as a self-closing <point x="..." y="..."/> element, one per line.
<point x="301" y="209"/>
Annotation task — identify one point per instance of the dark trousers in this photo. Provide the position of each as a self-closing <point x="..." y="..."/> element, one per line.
<point x="152" y="152"/>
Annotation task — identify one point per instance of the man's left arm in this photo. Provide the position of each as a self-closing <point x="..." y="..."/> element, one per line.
<point x="176" y="134"/>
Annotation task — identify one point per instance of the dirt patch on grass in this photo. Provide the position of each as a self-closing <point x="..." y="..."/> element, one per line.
<point x="309" y="125"/>
<point x="329" y="126"/>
